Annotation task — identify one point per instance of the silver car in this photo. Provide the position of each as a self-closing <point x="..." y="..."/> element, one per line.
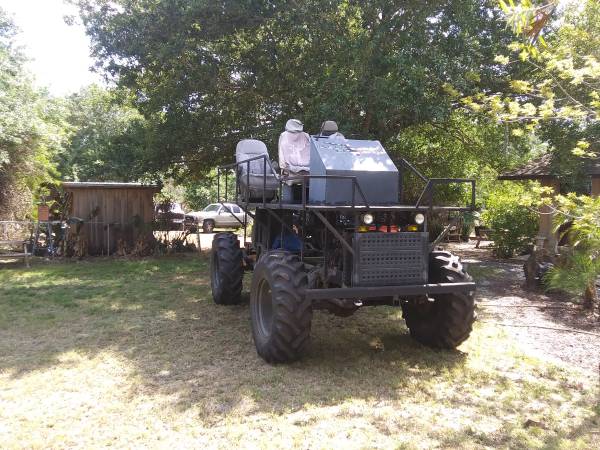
<point x="216" y="215"/>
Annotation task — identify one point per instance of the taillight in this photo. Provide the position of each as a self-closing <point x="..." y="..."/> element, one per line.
<point x="390" y="229"/>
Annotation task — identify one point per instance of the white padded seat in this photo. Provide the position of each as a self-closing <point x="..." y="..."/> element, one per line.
<point x="294" y="152"/>
<point x="255" y="181"/>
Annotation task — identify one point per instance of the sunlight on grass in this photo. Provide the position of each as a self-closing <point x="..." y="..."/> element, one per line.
<point x="482" y="272"/>
<point x="135" y="354"/>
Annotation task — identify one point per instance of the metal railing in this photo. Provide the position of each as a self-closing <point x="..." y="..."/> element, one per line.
<point x="426" y="195"/>
<point x="430" y="184"/>
<point x="281" y="181"/>
<point x="236" y="166"/>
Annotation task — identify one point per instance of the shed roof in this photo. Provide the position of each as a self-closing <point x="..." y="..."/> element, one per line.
<point x="108" y="185"/>
<point x="535" y="169"/>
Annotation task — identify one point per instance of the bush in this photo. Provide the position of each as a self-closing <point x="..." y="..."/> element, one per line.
<point x="514" y="225"/>
<point x="579" y="269"/>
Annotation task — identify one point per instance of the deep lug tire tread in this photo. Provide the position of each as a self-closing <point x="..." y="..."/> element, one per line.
<point x="292" y="313"/>
<point x="448" y="321"/>
<point x="226" y="248"/>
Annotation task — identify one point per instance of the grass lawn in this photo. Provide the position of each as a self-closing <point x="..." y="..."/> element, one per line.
<point x="135" y="354"/>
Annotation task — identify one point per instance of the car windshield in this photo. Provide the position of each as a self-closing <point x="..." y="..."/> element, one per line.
<point x="211" y="208"/>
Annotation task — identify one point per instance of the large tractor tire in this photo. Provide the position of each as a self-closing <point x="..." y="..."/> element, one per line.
<point x="226" y="270"/>
<point x="281" y="316"/>
<point x="446" y="321"/>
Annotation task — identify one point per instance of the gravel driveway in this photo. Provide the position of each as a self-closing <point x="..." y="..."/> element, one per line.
<point x="532" y="317"/>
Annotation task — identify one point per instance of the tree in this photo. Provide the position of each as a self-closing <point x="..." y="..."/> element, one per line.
<point x="514" y="224"/>
<point x="208" y="73"/>
<point x="32" y="130"/>
<point x="461" y="146"/>
<point x="562" y="82"/>
<point x="107" y="140"/>
<point x="563" y="90"/>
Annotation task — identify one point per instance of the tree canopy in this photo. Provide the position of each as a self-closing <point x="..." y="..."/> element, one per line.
<point x="92" y="135"/>
<point x="428" y="79"/>
<point x="206" y="74"/>
<point x="107" y="141"/>
<point x="560" y="80"/>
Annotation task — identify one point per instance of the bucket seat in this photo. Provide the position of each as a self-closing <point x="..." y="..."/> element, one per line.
<point x="294" y="149"/>
<point x="252" y="175"/>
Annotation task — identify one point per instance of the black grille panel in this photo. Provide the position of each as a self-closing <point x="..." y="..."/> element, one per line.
<point x="390" y="259"/>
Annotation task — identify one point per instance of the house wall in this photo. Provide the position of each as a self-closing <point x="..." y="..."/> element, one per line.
<point x="109" y="214"/>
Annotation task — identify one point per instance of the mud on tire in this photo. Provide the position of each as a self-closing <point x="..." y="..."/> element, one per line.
<point x="281" y="316"/>
<point x="448" y="320"/>
<point x="226" y="271"/>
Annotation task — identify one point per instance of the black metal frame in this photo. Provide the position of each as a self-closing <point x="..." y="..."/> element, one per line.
<point x="389" y="291"/>
<point x="427" y="192"/>
<point x="424" y="203"/>
<point x="430" y="184"/>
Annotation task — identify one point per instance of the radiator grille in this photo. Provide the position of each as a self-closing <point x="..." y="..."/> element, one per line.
<point x="390" y="259"/>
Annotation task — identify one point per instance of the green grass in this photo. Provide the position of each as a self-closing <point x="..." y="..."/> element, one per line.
<point x="135" y="354"/>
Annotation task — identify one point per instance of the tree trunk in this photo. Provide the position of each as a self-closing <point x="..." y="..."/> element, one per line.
<point x="590" y="296"/>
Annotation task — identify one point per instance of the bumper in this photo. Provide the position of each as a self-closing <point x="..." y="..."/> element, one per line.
<point x="390" y="291"/>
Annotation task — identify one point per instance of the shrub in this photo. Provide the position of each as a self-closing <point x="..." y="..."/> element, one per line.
<point x="578" y="270"/>
<point x="514" y="225"/>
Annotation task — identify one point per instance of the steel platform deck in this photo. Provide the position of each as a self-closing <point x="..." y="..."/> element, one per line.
<point x="319" y="207"/>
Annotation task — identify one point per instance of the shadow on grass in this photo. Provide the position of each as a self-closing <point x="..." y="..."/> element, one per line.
<point x="158" y="315"/>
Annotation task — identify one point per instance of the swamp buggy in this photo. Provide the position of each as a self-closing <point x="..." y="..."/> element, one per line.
<point x="337" y="239"/>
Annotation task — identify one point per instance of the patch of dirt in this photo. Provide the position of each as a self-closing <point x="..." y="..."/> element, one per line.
<point x="531" y="317"/>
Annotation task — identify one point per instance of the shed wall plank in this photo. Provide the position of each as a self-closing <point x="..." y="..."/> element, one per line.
<point x="117" y="207"/>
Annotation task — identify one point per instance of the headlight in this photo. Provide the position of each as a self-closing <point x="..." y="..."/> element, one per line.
<point x="367" y="219"/>
<point x="419" y="219"/>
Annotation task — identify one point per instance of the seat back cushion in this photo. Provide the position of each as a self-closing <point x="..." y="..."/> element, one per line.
<point x="294" y="151"/>
<point x="250" y="148"/>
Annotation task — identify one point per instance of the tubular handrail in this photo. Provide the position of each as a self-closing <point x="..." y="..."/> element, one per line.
<point x="355" y="184"/>
<point x="238" y="163"/>
<point x="432" y="182"/>
<point x="235" y="166"/>
<point x="247" y="162"/>
<point x="414" y="170"/>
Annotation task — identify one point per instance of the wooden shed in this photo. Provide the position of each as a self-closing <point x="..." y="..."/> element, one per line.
<point x="111" y="211"/>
